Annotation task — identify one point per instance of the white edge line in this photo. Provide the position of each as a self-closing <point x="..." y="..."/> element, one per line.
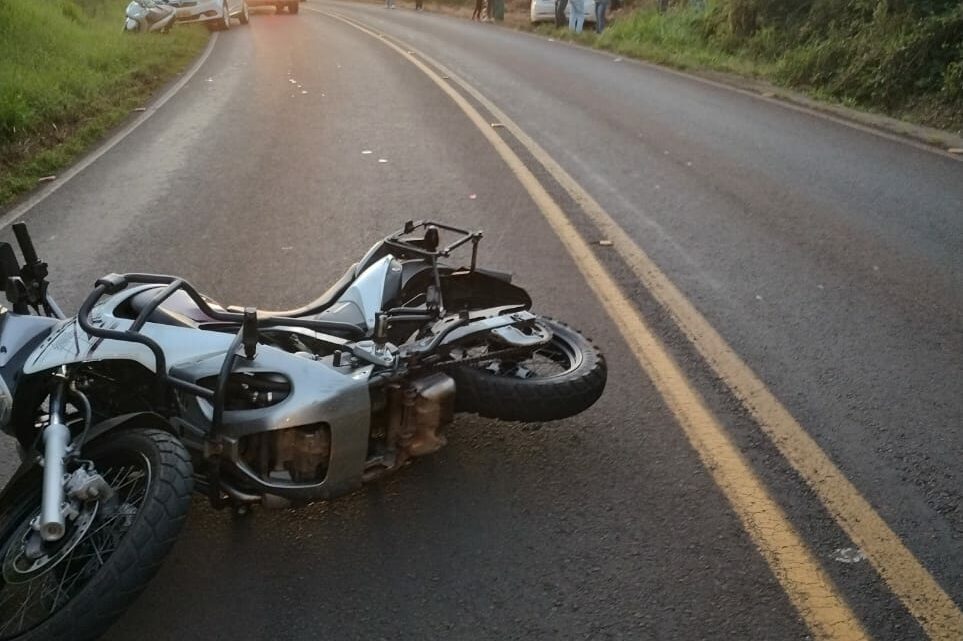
<point x="92" y="157"/>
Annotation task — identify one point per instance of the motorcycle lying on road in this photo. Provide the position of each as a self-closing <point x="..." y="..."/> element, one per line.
<point x="154" y="391"/>
<point x="144" y="16"/>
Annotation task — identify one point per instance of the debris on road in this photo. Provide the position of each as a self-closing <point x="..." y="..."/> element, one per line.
<point x="497" y="125"/>
<point x="617" y="60"/>
<point x="365" y="152"/>
<point x="140" y="108"/>
<point x="46" y="179"/>
<point x="472" y="196"/>
<point x="382" y="160"/>
<point x="849" y="555"/>
<point x="605" y="243"/>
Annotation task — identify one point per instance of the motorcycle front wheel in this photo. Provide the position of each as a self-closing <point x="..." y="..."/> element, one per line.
<point x="74" y="589"/>
<point x="557" y="380"/>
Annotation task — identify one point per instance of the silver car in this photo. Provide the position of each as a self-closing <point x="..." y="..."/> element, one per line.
<point x="216" y="14"/>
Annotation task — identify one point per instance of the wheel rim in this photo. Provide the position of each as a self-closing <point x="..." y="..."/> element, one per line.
<point x="556" y="358"/>
<point x="34" y="590"/>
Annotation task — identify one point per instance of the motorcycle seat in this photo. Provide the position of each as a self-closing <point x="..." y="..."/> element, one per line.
<point x="180" y="309"/>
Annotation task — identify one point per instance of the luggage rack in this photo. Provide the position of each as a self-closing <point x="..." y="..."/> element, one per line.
<point x="428" y="245"/>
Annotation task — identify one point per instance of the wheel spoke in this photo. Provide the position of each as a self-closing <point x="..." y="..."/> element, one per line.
<point x="48" y="583"/>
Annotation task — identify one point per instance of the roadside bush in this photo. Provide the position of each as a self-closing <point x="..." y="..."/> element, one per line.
<point x="900" y="56"/>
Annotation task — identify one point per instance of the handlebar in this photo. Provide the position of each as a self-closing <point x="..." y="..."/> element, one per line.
<point x="25" y="243"/>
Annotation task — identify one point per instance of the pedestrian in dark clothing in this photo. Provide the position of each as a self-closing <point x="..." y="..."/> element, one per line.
<point x="479" y="5"/>
<point x="560" y="20"/>
<point x="601" y="7"/>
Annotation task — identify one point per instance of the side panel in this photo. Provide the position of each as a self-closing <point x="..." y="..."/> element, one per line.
<point x="367" y="291"/>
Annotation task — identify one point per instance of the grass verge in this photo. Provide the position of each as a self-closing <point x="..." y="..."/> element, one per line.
<point x="68" y="74"/>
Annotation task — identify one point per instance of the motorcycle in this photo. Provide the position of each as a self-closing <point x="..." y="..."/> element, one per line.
<point x="154" y="391"/>
<point x="144" y="16"/>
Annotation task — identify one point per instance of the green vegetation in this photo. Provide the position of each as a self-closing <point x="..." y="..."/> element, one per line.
<point x="67" y="74"/>
<point x="900" y="57"/>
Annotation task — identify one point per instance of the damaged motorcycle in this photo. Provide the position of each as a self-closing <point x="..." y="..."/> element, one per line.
<point x="154" y="391"/>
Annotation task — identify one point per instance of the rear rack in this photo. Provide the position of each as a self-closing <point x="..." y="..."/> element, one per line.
<point x="428" y="245"/>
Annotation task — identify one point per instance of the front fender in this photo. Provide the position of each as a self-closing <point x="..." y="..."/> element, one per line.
<point x="128" y="421"/>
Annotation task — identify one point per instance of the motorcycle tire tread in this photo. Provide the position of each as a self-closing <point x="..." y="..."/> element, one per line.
<point x="533" y="401"/>
<point x="142" y="550"/>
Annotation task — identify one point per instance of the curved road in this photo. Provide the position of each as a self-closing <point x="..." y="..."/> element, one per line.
<point x="829" y="258"/>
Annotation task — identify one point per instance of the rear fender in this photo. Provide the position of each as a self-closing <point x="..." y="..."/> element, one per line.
<point x="467" y="289"/>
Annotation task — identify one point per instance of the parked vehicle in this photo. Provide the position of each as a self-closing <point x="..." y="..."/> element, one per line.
<point x="153" y="391"/>
<point x="544" y="11"/>
<point x="144" y="16"/>
<point x="215" y="14"/>
<point x="280" y="5"/>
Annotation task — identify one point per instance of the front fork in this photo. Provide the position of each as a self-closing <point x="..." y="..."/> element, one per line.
<point x="56" y="443"/>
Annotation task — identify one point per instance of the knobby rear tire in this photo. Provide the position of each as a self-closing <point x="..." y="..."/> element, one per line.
<point x="138" y="555"/>
<point x="534" y="400"/>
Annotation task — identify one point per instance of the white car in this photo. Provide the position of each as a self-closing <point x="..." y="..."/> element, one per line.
<point x="216" y="14"/>
<point x="544" y="11"/>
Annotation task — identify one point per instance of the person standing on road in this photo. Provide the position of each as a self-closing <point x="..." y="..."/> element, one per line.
<point x="560" y="13"/>
<point x="601" y="7"/>
<point x="576" y="17"/>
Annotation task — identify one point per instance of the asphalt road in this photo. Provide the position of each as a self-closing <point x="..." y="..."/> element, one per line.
<point x="830" y="259"/>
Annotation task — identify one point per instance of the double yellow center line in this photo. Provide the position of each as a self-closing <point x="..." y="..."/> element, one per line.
<point x="811" y="591"/>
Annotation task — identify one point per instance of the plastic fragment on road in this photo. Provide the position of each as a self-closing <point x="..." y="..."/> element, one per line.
<point x="287" y="248"/>
<point x="46" y="179"/>
<point x="605" y="242"/>
<point x="617" y="60"/>
<point x="848" y="555"/>
<point x="472" y="196"/>
<point x="758" y="297"/>
<point x="210" y="80"/>
<point x="365" y="152"/>
<point x="382" y="160"/>
<point x="497" y="125"/>
<point x="292" y="81"/>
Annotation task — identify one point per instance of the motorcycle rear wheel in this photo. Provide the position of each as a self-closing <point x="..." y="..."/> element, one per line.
<point x="109" y="553"/>
<point x="556" y="381"/>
